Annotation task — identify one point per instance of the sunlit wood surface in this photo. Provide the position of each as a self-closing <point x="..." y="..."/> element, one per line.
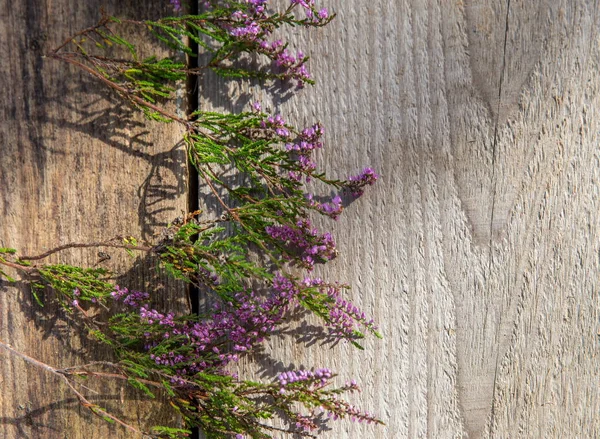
<point x="76" y="165"/>
<point x="477" y="252"/>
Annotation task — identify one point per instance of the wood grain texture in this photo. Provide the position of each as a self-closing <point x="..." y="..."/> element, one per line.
<point x="75" y="166"/>
<point x="478" y="251"/>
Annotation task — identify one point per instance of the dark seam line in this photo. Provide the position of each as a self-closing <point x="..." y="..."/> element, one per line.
<point x="193" y="203"/>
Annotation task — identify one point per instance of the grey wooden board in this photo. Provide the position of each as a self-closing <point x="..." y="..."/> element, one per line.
<point x="75" y="166"/>
<point x="478" y="251"/>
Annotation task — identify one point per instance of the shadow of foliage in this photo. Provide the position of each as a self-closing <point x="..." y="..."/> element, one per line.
<point x="100" y="114"/>
<point x="90" y="109"/>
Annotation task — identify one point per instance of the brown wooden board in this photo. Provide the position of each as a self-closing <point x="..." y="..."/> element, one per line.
<point x="477" y="252"/>
<point x="76" y="165"/>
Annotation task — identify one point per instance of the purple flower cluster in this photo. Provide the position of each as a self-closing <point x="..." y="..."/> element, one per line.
<point x="133" y="299"/>
<point x="314" y="382"/>
<point x="343" y="408"/>
<point x="233" y="328"/>
<point x="275" y="124"/>
<point x="292" y="66"/>
<point x="247" y="25"/>
<point x="306" y="241"/>
<point x="311" y="13"/>
<point x="176" y="5"/>
<point x="320" y="376"/>
<point x="333" y="209"/>
<point x="152" y="316"/>
<point x="305" y="423"/>
<point x="301" y="151"/>
<point x="253" y="26"/>
<point x="76" y="295"/>
<point x="357" y="183"/>
<point x="344" y="318"/>
<point x="170" y="359"/>
<point x="308" y="140"/>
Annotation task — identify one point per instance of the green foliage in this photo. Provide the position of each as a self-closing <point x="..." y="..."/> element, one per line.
<point x="8" y="252"/>
<point x="225" y="255"/>
<point x="75" y="283"/>
<point x="171" y="433"/>
<point x="144" y="82"/>
<point x="100" y="336"/>
<point x="136" y="384"/>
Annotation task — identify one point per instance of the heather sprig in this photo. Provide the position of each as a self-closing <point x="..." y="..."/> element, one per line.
<point x="191" y="354"/>
<point x="344" y="320"/>
<point x="186" y="358"/>
<point x="74" y="284"/>
<point x="71" y="284"/>
<point x="221" y="405"/>
<point x="226" y="30"/>
<point x="191" y="344"/>
<point x="240" y="253"/>
<point x="356" y="183"/>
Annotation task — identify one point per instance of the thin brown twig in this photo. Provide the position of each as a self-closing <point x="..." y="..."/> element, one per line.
<point x="101" y="23"/>
<point x="115" y="376"/>
<point x="68" y="370"/>
<point x="82" y="399"/>
<point x="214" y="191"/>
<point x="86" y="245"/>
<point x="16" y="266"/>
<point x="68" y="59"/>
<point x="188" y="124"/>
<point x="133" y="63"/>
<point x="73" y="370"/>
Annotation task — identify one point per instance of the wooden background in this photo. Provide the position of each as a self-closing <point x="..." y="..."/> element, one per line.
<point x="477" y="252"/>
<point x="76" y="165"/>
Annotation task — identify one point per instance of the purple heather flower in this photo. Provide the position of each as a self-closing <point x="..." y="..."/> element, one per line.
<point x="249" y="32"/>
<point x="245" y="322"/>
<point x="133" y="299"/>
<point x="277" y="125"/>
<point x="305" y="241"/>
<point x="176" y="5"/>
<point x="290" y="67"/>
<point x="332" y="209"/>
<point x="323" y="14"/>
<point x="318" y="376"/>
<point x="356" y="183"/>
<point x="308" y="140"/>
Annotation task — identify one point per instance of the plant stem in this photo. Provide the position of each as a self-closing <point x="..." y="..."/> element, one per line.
<point x="87" y="245"/>
<point x="16" y="266"/>
<point x="122" y="90"/>
<point x="101" y="23"/>
<point x="82" y="399"/>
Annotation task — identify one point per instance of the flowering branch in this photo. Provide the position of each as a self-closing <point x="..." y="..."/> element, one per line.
<point x="109" y="243"/>
<point x="64" y="376"/>
<point x="264" y="231"/>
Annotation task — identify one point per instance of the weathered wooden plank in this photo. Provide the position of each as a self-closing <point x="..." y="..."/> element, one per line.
<point x="478" y="250"/>
<point x="76" y="166"/>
